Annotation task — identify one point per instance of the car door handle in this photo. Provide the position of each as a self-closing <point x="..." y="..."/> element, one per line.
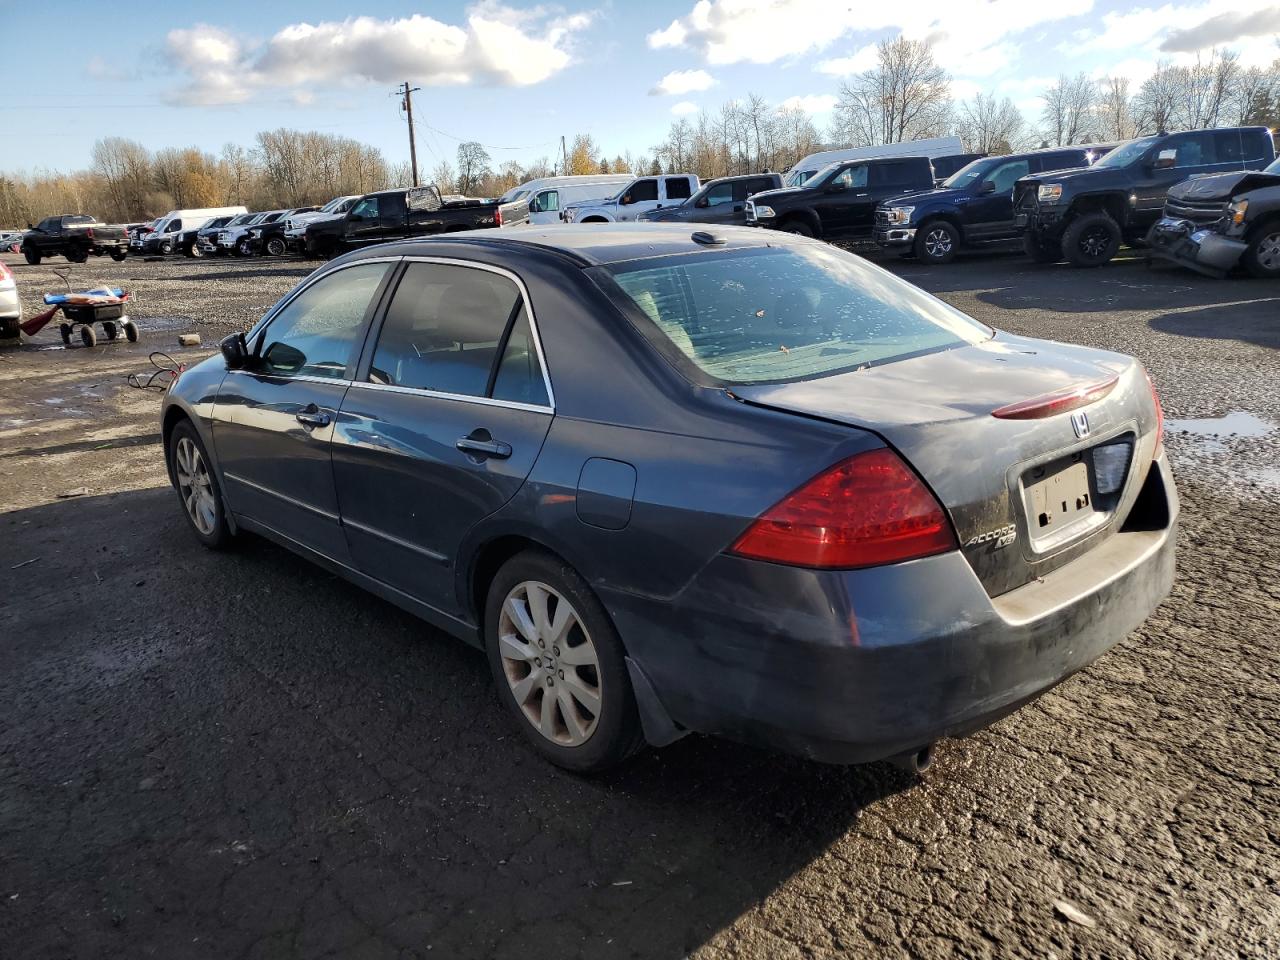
<point x="312" y="417"/>
<point x="484" y="446"/>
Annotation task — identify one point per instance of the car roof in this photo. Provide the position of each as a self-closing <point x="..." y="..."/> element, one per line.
<point x="594" y="244"/>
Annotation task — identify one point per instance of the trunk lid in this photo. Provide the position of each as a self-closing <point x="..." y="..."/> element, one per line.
<point x="991" y="474"/>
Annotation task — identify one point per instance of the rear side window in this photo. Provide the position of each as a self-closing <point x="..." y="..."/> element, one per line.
<point x="759" y="184"/>
<point x="315" y="334"/>
<point x="896" y="173"/>
<point x="446" y="330"/>
<point x="678" y="188"/>
<point x="1193" y="149"/>
<point x="720" y="193"/>
<point x="1255" y="145"/>
<point x="787" y="313"/>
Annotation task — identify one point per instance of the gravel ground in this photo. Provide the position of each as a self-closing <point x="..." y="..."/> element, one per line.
<point x="240" y="756"/>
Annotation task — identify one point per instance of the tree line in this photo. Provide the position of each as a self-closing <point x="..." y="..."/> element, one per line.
<point x="904" y="96"/>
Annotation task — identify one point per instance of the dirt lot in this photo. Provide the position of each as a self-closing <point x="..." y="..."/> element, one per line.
<point x="240" y="756"/>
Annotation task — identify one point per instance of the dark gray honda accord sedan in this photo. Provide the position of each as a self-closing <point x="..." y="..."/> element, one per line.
<point x="732" y="482"/>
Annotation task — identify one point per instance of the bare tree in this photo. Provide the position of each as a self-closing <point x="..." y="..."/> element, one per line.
<point x="473" y="166"/>
<point x="1254" y="97"/>
<point x="1115" y="115"/>
<point x="126" y="168"/>
<point x="443" y="177"/>
<point x="988" y="125"/>
<point x="1203" y="89"/>
<point x="906" y="96"/>
<point x="1154" y="103"/>
<point x="1069" y="110"/>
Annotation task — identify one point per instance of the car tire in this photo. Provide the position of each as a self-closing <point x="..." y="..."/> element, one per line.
<point x="581" y="668"/>
<point x="1262" y="257"/>
<point x="275" y="247"/>
<point x="130" y="331"/>
<point x="194" y="251"/>
<point x="1091" y="240"/>
<point x="87" y="335"/>
<point x="33" y="256"/>
<point x="798" y="227"/>
<point x="937" y="242"/>
<point x="197" y="485"/>
<point x="166" y="248"/>
<point x="119" y="255"/>
<point x="1040" y="250"/>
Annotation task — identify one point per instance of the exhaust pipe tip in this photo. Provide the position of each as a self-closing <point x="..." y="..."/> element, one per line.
<point x="916" y="761"/>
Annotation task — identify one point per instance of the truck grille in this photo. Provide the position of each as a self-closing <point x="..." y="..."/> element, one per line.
<point x="1198" y="212"/>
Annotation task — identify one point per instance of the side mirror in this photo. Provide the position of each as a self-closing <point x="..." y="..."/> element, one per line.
<point x="30" y="225"/>
<point x="703" y="202"/>
<point x="234" y="351"/>
<point x="838" y="187"/>
<point x="658" y="207"/>
<point x="626" y="200"/>
<point x="987" y="187"/>
<point x="1165" y="159"/>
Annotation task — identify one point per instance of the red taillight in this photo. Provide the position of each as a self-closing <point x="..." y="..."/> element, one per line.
<point x="1155" y="398"/>
<point x="89" y="232"/>
<point x="498" y="216"/>
<point x="865" y="511"/>
<point x="1060" y="401"/>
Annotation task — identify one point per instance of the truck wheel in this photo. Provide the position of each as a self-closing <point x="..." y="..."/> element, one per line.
<point x="119" y="255"/>
<point x="194" y="251"/>
<point x="937" y="242"/>
<point x="1262" y="256"/>
<point x="166" y="248"/>
<point x="77" y="256"/>
<point x="1091" y="240"/>
<point x="275" y="247"/>
<point x="32" y="255"/>
<point x="798" y="227"/>
<point x="1040" y="250"/>
<point x="242" y="249"/>
<point x="87" y="336"/>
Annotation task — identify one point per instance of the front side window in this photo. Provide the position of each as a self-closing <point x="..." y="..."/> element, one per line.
<point x="1006" y="175"/>
<point x="641" y="191"/>
<point x="366" y="209"/>
<point x="720" y="193"/>
<point x="445" y="329"/>
<point x="315" y="334"/>
<point x="546" y="202"/>
<point x="851" y="177"/>
<point x="789" y="313"/>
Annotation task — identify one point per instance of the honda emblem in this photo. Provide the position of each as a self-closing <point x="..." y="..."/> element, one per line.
<point x="1080" y="424"/>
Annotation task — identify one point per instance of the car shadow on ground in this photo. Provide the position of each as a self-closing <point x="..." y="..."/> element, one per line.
<point x="1260" y="326"/>
<point x="238" y="754"/>
<point x="300" y="268"/>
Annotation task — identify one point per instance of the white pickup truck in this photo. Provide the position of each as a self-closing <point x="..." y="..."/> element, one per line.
<point x="639" y="196"/>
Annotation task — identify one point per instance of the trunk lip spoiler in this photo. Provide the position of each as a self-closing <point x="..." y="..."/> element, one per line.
<point x="1057" y="401"/>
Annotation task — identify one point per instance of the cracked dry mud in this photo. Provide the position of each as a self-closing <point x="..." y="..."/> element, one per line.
<point x="240" y="756"/>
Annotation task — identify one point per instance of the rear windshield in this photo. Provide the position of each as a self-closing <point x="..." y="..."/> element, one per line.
<point x="790" y="313"/>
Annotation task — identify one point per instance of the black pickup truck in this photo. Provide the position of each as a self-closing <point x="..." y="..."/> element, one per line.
<point x="1213" y="224"/>
<point x="839" y="201"/>
<point x="74" y="236"/>
<point x="1082" y="216"/>
<point x="405" y="213"/>
<point x="972" y="209"/>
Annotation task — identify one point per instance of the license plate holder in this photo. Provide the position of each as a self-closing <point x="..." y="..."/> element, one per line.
<point x="1059" y="501"/>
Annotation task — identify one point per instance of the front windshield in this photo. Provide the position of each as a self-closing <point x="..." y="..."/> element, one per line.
<point x="970" y="173"/>
<point x="333" y="205"/>
<point x="1125" y="154"/>
<point x="799" y="178"/>
<point x="241" y="220"/>
<point x="822" y="176"/>
<point x="788" y="313"/>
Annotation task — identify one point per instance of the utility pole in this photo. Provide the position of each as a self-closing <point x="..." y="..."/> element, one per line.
<point x="564" y="158"/>
<point x="407" y="93"/>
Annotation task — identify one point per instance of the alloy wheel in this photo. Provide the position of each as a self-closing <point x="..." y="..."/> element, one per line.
<point x="937" y="242"/>
<point x="1093" y="243"/>
<point x="550" y="663"/>
<point x="1269" y="251"/>
<point x="195" y="487"/>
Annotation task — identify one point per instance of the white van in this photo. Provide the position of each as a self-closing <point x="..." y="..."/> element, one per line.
<point x="168" y="231"/>
<point x="934" y="147"/>
<point x="547" y="196"/>
<point x="638" y="196"/>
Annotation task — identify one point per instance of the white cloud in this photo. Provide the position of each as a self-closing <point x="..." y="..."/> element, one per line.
<point x="859" y="62"/>
<point x="496" y="46"/>
<point x="684" y="108"/>
<point x="1183" y="29"/>
<point x="810" y="103"/>
<point x="679" y="82"/>
<point x="765" y="31"/>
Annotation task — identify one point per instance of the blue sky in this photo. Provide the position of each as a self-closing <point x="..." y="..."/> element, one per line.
<point x="519" y="75"/>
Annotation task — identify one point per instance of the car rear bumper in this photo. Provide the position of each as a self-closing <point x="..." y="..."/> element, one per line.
<point x="856" y="666"/>
<point x="1202" y="249"/>
<point x="887" y="236"/>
